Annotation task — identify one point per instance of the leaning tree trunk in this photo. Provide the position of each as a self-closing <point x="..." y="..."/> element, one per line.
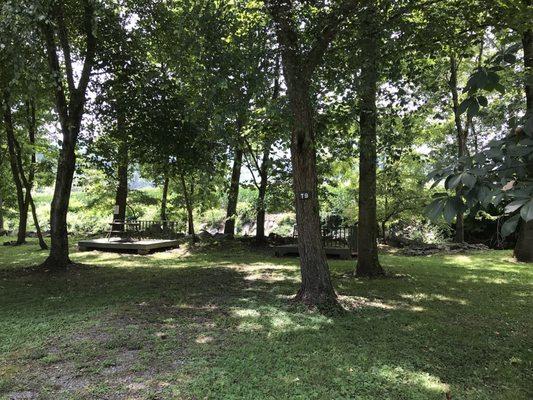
<point x="188" y="205"/>
<point x="121" y="196"/>
<point x="164" y="198"/>
<point x="22" y="200"/>
<point x="461" y="142"/>
<point x="263" y="172"/>
<point x="233" y="195"/>
<point x="524" y="246"/>
<point x="367" y="251"/>
<point x="28" y="182"/>
<point x="261" y="209"/>
<point x="2" y="230"/>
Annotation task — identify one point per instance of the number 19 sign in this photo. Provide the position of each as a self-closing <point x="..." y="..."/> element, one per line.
<point x="304" y="195"/>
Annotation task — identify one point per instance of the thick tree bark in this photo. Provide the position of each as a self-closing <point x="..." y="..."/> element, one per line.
<point x="461" y="141"/>
<point x="164" y="198"/>
<point x="22" y="199"/>
<point x="121" y="196"/>
<point x="233" y="194"/>
<point x="367" y="251"/>
<point x="187" y="195"/>
<point x="524" y="246"/>
<point x="316" y="287"/>
<point x="70" y="114"/>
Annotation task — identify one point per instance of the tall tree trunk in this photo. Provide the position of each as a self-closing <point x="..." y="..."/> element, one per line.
<point x="263" y="170"/>
<point x="316" y="287"/>
<point x="461" y="141"/>
<point x="188" y="205"/>
<point x="28" y="182"/>
<point x="22" y="200"/>
<point x="42" y="243"/>
<point x="233" y="195"/>
<point x="298" y="67"/>
<point x="261" y="211"/>
<point x="59" y="251"/>
<point x="2" y="230"/>
<point x="367" y="250"/>
<point x="524" y="249"/>
<point x="70" y="104"/>
<point x="121" y="196"/>
<point x="384" y="231"/>
<point x="164" y="198"/>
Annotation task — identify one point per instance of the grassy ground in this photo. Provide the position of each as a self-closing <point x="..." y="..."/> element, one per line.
<point x="215" y="323"/>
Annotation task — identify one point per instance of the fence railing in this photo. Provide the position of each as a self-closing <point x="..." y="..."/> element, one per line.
<point x="344" y="236"/>
<point x="152" y="229"/>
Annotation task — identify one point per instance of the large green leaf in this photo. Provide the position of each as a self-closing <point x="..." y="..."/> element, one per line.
<point x="465" y="104"/>
<point x="473" y="109"/>
<point x="468" y="179"/>
<point x="510" y="225"/>
<point x="515" y="205"/>
<point x="527" y="211"/>
<point x="452" y="181"/>
<point x="434" y="209"/>
<point x="482" y="100"/>
<point x="450" y="210"/>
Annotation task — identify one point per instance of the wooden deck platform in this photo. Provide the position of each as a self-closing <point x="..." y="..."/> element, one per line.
<point x="143" y="246"/>
<point x="343" y="253"/>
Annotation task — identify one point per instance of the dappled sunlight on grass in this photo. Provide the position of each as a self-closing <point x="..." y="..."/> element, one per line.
<point x="201" y="322"/>
<point x="354" y="302"/>
<point x="399" y="375"/>
<point x="418" y="297"/>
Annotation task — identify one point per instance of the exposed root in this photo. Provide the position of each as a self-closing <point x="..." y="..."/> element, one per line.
<point x="324" y="303"/>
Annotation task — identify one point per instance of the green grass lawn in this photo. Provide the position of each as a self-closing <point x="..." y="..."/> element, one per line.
<point x="215" y="323"/>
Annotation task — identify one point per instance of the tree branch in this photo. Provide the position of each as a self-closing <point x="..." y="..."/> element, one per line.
<point x="55" y="69"/>
<point x="65" y="46"/>
<point x="328" y="32"/>
<point x="88" y="63"/>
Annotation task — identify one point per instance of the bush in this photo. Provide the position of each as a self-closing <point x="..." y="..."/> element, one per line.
<point x="419" y="232"/>
<point x="213" y="218"/>
<point x="285" y="225"/>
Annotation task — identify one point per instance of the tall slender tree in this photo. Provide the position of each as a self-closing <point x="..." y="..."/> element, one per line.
<point x="70" y="102"/>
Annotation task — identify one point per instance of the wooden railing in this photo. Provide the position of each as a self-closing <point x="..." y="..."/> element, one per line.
<point x="344" y="236"/>
<point x="153" y="229"/>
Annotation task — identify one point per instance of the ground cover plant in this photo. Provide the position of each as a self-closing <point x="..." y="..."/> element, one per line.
<point x="214" y="321"/>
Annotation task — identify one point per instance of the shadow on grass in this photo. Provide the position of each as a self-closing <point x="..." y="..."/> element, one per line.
<point x="213" y="325"/>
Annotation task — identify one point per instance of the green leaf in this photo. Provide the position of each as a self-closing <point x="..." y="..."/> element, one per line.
<point x="484" y="195"/>
<point x="527" y="211"/>
<point x="434" y="209"/>
<point x="452" y="181"/>
<point x="482" y="100"/>
<point x="514" y="205"/>
<point x="473" y="109"/>
<point x="500" y="88"/>
<point x="510" y="58"/>
<point x="510" y="225"/>
<point x="450" y="210"/>
<point x="468" y="180"/>
<point x="465" y="104"/>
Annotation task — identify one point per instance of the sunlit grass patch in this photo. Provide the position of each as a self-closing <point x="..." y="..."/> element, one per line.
<point x="217" y="322"/>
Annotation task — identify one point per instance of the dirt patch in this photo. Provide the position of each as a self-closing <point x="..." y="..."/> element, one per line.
<point x="125" y="354"/>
